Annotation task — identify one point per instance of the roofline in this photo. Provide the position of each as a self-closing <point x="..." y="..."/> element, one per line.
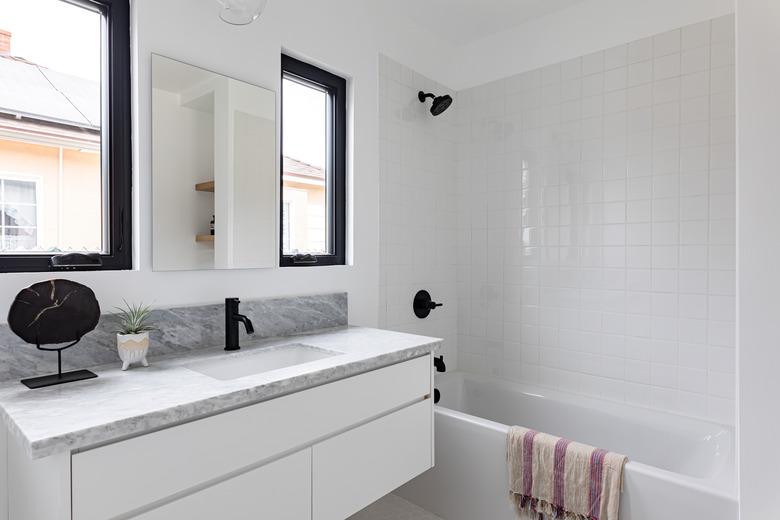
<point x="46" y="120"/>
<point x="292" y="177"/>
<point x="30" y="131"/>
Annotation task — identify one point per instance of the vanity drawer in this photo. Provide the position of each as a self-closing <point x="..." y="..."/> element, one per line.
<point x="356" y="468"/>
<point x="119" y="478"/>
<point x="280" y="490"/>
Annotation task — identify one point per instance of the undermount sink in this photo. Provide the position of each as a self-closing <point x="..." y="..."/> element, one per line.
<point x="258" y="361"/>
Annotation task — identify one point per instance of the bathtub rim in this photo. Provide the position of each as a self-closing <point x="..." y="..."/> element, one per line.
<point x="722" y="485"/>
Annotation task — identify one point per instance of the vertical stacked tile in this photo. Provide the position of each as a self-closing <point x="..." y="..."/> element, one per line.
<point x="418" y="208"/>
<point x="596" y="223"/>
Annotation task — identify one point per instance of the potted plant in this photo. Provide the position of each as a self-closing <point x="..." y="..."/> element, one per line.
<point x="132" y="338"/>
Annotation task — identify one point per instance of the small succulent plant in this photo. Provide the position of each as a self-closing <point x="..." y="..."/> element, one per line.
<point x="134" y="318"/>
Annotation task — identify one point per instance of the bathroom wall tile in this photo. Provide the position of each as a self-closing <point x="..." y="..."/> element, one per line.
<point x="593" y="63"/>
<point x="616" y="57"/>
<point x="695" y="85"/>
<point x="721" y="384"/>
<point x="723" y="29"/>
<point x="721" y="410"/>
<point x="640" y="73"/>
<point x="666" y="66"/>
<point x="696" y="35"/>
<point x="692" y="380"/>
<point x="722" y="54"/>
<point x="695" y="60"/>
<point x="694" y="109"/>
<point x="414" y="256"/>
<point x="666" y="90"/>
<point x="667" y="43"/>
<point x="640" y="50"/>
<point x="615" y="79"/>
<point x="618" y="224"/>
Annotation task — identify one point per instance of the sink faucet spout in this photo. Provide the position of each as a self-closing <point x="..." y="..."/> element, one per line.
<point x="247" y="323"/>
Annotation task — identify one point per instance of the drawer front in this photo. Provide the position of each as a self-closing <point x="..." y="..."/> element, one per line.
<point x="280" y="490"/>
<point x="356" y="468"/>
<point x="124" y="476"/>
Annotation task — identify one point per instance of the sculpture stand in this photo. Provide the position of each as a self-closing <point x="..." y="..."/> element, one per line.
<point x="60" y="377"/>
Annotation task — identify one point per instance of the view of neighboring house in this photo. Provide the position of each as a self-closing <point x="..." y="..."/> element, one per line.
<point x="303" y="215"/>
<point x="50" y="164"/>
<point x="51" y="186"/>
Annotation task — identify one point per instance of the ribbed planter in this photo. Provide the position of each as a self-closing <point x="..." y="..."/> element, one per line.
<point x="132" y="348"/>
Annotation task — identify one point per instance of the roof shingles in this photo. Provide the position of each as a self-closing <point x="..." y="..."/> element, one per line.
<point x="33" y="91"/>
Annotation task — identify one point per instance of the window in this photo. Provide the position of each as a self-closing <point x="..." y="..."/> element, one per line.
<point x="313" y="198"/>
<point x="19" y="210"/>
<point x="65" y="175"/>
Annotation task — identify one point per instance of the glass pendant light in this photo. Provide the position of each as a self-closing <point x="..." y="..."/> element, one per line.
<point x="241" y="12"/>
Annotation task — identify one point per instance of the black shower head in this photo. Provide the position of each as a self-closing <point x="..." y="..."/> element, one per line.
<point x="440" y="103"/>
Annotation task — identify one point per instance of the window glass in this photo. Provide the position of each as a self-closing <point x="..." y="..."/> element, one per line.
<point x="18" y="204"/>
<point x="51" y="69"/>
<point x="304" y="167"/>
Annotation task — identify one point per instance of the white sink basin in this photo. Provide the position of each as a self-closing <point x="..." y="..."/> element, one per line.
<point x="258" y="361"/>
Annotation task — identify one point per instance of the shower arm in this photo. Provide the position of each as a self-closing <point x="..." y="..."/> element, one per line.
<point x="422" y="96"/>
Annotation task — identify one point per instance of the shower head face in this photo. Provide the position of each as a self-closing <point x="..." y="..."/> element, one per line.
<point x="440" y="104"/>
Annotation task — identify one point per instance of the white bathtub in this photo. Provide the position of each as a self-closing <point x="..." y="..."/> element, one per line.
<point x="679" y="468"/>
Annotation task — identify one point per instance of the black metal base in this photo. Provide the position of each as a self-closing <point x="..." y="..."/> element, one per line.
<point x="58" y="379"/>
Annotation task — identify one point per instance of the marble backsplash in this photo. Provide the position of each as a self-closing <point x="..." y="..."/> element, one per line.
<point x="181" y="329"/>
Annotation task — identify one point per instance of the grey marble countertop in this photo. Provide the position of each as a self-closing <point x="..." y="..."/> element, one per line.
<point x="117" y="404"/>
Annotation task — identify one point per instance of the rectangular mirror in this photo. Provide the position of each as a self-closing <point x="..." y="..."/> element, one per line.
<point x="213" y="169"/>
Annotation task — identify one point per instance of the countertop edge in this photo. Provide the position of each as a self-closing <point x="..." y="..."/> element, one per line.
<point x="202" y="408"/>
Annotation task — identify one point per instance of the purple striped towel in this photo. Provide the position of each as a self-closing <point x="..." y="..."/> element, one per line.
<point x="555" y="478"/>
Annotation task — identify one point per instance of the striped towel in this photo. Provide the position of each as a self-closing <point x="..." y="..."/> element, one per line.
<point x="555" y="478"/>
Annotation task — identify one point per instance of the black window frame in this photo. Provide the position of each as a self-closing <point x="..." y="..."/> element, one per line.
<point x="336" y="185"/>
<point x="116" y="153"/>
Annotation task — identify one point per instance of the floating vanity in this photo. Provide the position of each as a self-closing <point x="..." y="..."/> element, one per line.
<point x="314" y="426"/>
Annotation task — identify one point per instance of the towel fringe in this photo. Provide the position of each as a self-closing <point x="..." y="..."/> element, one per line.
<point x="530" y="508"/>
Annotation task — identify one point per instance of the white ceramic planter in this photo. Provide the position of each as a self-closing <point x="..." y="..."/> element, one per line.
<point x="132" y="348"/>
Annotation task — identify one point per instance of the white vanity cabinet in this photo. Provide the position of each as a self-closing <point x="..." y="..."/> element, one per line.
<point x="322" y="453"/>
<point x="280" y="490"/>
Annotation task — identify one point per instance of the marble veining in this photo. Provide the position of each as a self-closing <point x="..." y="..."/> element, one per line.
<point x="119" y="404"/>
<point x="54" y="311"/>
<point x="181" y="329"/>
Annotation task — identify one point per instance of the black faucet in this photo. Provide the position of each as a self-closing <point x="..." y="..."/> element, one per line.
<point x="232" y="317"/>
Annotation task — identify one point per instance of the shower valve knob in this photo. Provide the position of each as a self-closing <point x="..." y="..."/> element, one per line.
<point x="423" y="304"/>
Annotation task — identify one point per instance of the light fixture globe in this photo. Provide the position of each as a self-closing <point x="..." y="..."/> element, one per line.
<point x="241" y="12"/>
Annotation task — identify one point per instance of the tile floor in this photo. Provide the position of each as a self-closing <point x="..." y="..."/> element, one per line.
<point x="393" y="507"/>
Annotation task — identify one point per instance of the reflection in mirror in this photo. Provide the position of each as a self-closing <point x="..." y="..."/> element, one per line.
<point x="214" y="175"/>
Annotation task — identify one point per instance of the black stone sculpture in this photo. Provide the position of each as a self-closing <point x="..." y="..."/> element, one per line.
<point x="54" y="312"/>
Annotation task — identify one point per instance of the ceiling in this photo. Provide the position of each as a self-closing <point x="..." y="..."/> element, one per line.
<point x="464" y="21"/>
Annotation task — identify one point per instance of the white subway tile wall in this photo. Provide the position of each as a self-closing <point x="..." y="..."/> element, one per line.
<point x="418" y="207"/>
<point x="577" y="221"/>
<point x="595" y="230"/>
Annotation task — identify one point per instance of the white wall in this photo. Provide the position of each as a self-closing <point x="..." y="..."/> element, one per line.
<point x="758" y="254"/>
<point x="586" y="27"/>
<point x="343" y="35"/>
<point x="418" y="207"/>
<point x="596" y="227"/>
